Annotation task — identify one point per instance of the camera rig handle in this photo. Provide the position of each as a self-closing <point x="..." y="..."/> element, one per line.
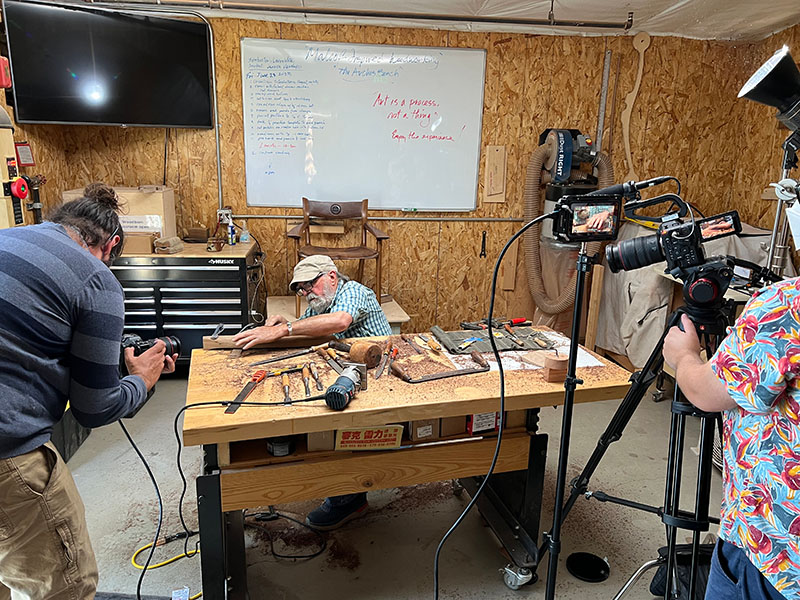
<point x="678" y="203"/>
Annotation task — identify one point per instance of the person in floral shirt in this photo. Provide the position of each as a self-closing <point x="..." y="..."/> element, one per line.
<point x="751" y="378"/>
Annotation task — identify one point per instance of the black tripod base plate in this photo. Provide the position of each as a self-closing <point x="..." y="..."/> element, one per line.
<point x="588" y="567"/>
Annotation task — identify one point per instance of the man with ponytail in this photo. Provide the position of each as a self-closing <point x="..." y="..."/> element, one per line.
<point x="61" y="321"/>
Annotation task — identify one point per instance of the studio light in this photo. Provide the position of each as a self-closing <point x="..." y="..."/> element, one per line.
<point x="777" y="83"/>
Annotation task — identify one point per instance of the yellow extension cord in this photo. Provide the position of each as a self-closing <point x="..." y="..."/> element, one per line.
<point x="163" y="563"/>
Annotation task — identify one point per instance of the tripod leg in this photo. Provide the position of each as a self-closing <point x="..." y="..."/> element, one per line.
<point x="672" y="494"/>
<point x="622" y="416"/>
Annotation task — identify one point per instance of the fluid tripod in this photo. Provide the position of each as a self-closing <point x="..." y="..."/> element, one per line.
<point x="710" y="323"/>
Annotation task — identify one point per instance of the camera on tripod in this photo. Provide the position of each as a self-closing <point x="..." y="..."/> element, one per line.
<point x="676" y="242"/>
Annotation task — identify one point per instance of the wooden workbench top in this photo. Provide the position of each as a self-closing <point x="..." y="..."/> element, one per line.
<point x="240" y="250"/>
<point x="215" y="376"/>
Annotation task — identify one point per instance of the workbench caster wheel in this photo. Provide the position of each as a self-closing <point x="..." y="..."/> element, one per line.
<point x="458" y="489"/>
<point x="515" y="577"/>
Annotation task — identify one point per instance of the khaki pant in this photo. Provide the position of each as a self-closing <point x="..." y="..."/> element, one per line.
<point x="45" y="550"/>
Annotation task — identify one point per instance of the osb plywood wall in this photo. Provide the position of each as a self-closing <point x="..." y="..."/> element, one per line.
<point x="686" y="122"/>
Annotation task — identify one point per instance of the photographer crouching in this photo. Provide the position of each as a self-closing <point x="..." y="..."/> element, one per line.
<point x="61" y="323"/>
<point x="751" y="379"/>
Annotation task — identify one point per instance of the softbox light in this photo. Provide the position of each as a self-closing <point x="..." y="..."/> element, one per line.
<point x="777" y="83"/>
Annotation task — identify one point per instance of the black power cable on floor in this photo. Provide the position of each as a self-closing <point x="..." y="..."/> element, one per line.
<point x="160" y="510"/>
<point x="502" y="402"/>
<point x="273" y="515"/>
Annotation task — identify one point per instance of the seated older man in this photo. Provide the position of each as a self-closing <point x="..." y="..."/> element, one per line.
<point x="340" y="307"/>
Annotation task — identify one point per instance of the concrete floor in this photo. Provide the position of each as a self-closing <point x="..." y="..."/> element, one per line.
<point x="389" y="553"/>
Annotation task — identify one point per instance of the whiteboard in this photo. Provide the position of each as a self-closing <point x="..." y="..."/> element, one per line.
<point x="399" y="125"/>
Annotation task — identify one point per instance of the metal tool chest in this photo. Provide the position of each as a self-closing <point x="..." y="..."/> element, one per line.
<point x="188" y="294"/>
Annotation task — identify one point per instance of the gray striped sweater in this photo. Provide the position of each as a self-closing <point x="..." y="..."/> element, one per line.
<point x="61" y="319"/>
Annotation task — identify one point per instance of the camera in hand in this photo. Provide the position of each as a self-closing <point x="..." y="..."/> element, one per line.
<point x="131" y="340"/>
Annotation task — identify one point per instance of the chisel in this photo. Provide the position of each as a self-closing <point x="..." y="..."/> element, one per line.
<point x="306" y="375"/>
<point x="330" y="357"/>
<point x="337" y="345"/>
<point x="411" y="343"/>
<point x="257" y="378"/>
<point x="432" y="344"/>
<point x="315" y="375"/>
<point x="286" y="398"/>
<point x="386" y="350"/>
<point x="513" y="335"/>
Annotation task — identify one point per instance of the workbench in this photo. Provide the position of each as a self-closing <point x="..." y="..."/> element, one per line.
<point x="238" y="473"/>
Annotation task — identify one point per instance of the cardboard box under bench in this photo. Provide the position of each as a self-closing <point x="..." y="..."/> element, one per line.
<point x="424" y="430"/>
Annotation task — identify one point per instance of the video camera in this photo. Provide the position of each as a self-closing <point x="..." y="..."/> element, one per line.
<point x="677" y="243"/>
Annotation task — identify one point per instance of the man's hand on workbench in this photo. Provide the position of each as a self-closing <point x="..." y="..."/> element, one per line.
<point x="275" y="320"/>
<point x="261" y="335"/>
<point x="151" y="363"/>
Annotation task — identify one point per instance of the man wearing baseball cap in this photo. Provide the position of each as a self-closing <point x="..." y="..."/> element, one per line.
<point x="337" y="306"/>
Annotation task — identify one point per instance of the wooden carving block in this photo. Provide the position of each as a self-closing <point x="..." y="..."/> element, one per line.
<point x="555" y="368"/>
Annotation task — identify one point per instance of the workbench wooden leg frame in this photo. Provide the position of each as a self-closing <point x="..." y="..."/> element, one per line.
<point x="511" y="502"/>
<point x="222" y="554"/>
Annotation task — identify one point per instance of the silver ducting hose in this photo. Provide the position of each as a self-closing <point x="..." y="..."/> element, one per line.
<point x="533" y="262"/>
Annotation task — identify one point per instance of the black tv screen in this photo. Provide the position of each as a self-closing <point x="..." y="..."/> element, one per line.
<point x="71" y="64"/>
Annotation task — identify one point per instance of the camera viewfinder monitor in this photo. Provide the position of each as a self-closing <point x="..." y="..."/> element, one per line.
<point x="74" y="64"/>
<point x="721" y="225"/>
<point x="588" y="218"/>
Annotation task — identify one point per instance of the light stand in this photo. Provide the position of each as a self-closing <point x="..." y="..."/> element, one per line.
<point x="777" y="83"/>
<point x="553" y="538"/>
<point x="778" y="243"/>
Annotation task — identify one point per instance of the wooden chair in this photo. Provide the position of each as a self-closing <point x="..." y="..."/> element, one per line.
<point x="338" y="211"/>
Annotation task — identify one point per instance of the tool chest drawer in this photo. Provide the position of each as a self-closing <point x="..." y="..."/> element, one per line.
<point x="188" y="296"/>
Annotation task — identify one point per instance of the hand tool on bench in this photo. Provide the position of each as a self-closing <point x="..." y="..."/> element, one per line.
<point x="257" y="378"/>
<point x="336" y="345"/>
<point x="365" y="352"/>
<point x="306" y="382"/>
<point x="513" y="335"/>
<point x="432" y="344"/>
<point x="386" y="350"/>
<point x="392" y="355"/>
<point x="315" y="375"/>
<point x="330" y="357"/>
<point x="411" y="343"/>
<point x="285" y="381"/>
<point x="398" y="371"/>
<point x="468" y="342"/>
<point x="217" y="331"/>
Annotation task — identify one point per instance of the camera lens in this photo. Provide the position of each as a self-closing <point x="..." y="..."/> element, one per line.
<point x="633" y="254"/>
<point x="173" y="344"/>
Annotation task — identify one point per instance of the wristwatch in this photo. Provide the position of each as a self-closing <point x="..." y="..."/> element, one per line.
<point x="289" y="327"/>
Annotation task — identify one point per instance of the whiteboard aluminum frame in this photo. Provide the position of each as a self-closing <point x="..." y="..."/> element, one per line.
<point x="382" y="48"/>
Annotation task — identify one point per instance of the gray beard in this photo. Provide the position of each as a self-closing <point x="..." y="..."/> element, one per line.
<point x="319" y="304"/>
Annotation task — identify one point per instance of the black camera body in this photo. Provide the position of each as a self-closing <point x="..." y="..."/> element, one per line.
<point x="679" y="244"/>
<point x="131" y="340"/>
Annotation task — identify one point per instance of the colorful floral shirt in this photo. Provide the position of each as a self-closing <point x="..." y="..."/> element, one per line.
<point x="758" y="362"/>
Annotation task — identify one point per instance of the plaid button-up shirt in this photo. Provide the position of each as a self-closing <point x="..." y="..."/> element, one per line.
<point x="360" y="303"/>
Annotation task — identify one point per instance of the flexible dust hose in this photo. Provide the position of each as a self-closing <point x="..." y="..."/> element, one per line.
<point x="533" y="262"/>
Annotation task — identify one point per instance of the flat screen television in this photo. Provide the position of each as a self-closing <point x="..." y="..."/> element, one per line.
<point x="90" y="66"/>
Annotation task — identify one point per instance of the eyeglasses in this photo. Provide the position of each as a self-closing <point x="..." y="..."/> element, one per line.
<point x="116" y="250"/>
<point x="304" y="288"/>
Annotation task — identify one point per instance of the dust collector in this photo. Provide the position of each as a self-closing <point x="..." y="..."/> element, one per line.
<point x="564" y="163"/>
